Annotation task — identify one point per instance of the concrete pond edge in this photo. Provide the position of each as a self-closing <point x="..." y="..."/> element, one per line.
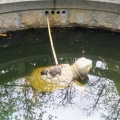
<point x="78" y="13"/>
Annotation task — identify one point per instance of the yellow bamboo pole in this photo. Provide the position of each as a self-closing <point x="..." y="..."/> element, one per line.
<point x="51" y="41"/>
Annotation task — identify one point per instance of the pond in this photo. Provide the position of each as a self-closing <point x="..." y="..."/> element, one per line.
<point x="22" y="52"/>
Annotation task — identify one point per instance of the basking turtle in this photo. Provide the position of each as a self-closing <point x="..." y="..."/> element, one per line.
<point x="53" y="71"/>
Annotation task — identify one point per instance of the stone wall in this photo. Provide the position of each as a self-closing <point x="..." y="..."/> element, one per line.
<point x="61" y="16"/>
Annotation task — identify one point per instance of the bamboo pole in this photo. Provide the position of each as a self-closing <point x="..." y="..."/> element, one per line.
<point x="51" y="41"/>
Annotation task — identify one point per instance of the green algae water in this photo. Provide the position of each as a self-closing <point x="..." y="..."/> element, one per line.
<point x="22" y="52"/>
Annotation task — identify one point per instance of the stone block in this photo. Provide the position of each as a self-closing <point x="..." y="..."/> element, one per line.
<point x="81" y="17"/>
<point x="8" y="21"/>
<point x="55" y="20"/>
<point x="1" y="25"/>
<point x="29" y="19"/>
<point x="117" y="23"/>
<point x="102" y="19"/>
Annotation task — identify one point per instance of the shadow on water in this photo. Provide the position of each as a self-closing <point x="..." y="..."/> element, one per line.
<point x="23" y="51"/>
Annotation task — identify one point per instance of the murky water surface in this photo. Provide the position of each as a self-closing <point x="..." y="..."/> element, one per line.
<point x="24" y="51"/>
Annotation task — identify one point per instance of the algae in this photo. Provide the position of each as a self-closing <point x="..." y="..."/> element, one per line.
<point x="45" y="86"/>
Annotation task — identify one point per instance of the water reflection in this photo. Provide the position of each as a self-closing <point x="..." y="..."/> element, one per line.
<point x="103" y="96"/>
<point x="98" y="99"/>
<point x="23" y="51"/>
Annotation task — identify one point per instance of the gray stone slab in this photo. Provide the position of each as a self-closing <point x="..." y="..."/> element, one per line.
<point x="11" y="1"/>
<point x="60" y="4"/>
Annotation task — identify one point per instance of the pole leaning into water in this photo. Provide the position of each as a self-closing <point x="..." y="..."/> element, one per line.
<point x="51" y="41"/>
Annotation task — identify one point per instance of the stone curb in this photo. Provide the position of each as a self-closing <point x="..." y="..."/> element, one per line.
<point x="25" y="15"/>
